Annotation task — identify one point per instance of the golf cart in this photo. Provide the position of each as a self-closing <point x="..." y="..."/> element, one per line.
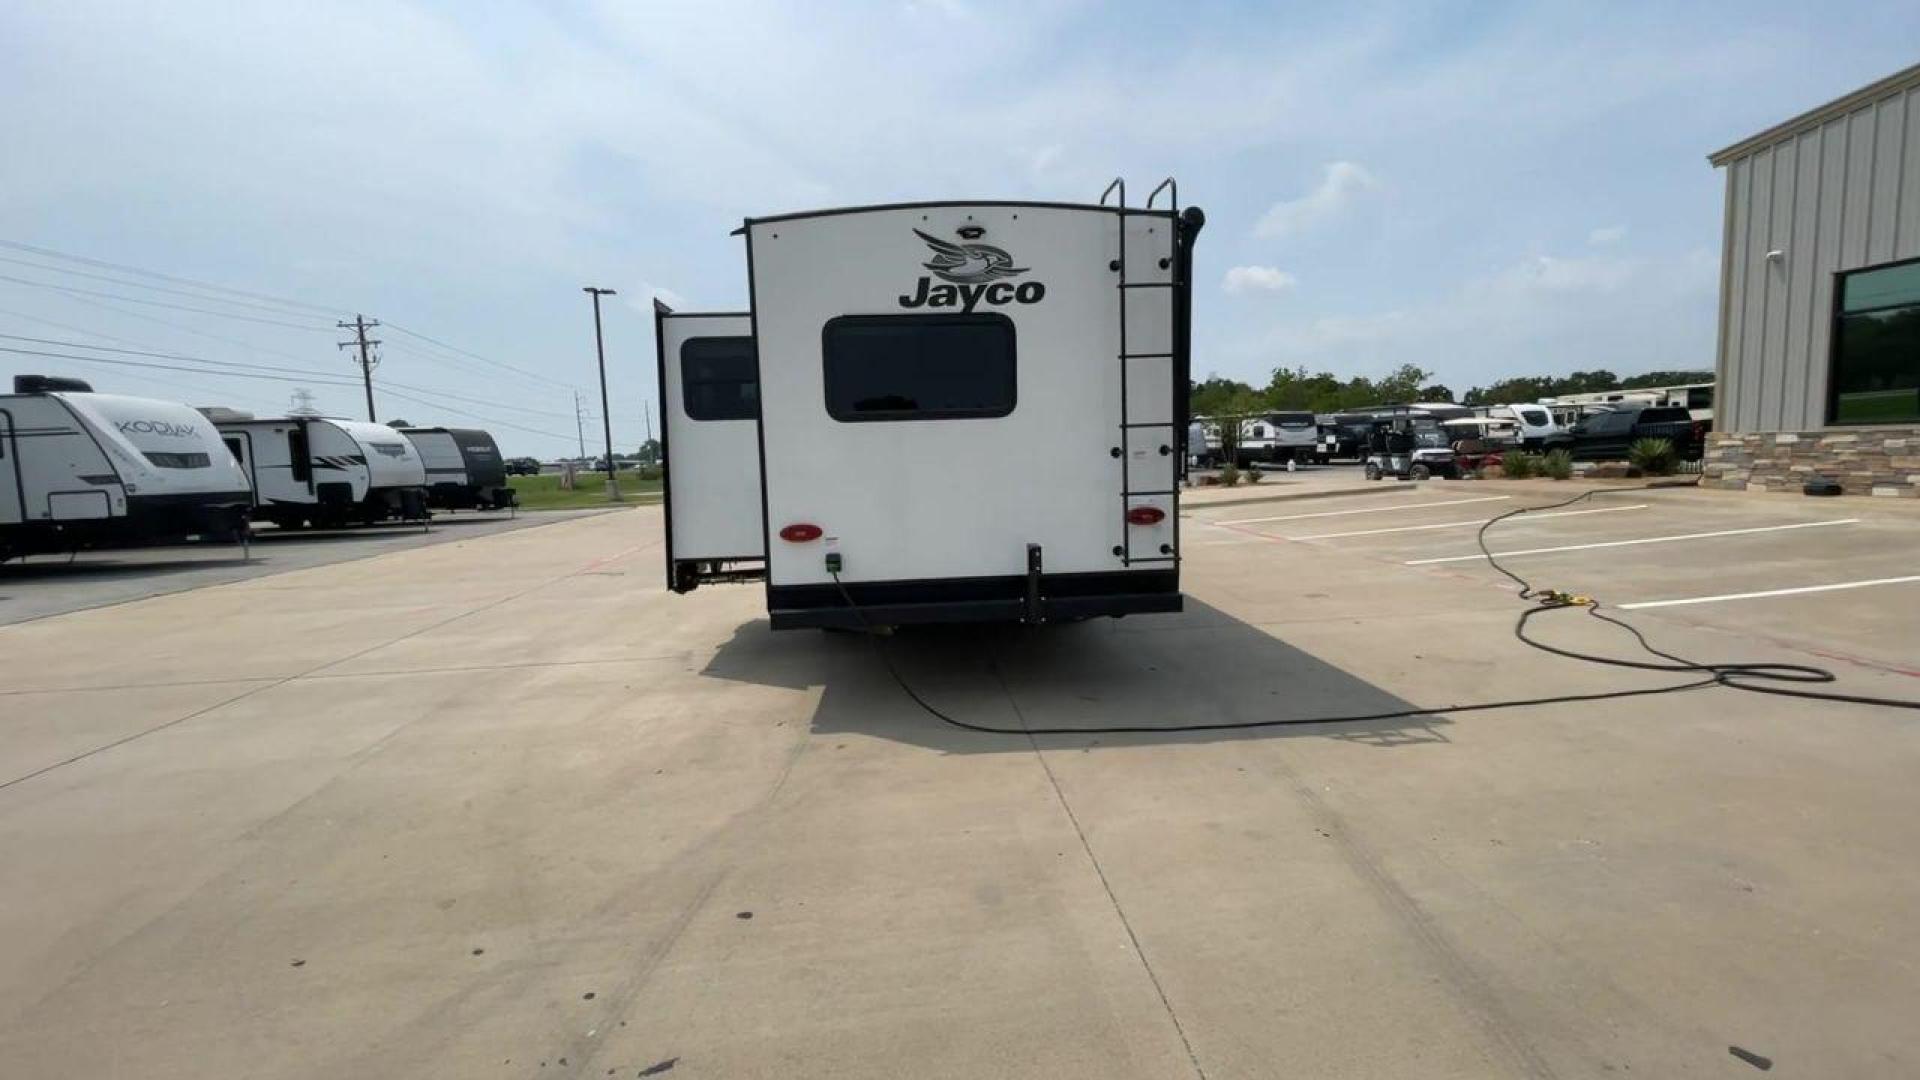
<point x="1408" y="446"/>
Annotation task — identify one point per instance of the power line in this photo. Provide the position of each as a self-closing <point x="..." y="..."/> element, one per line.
<point x="76" y="290"/>
<point x="308" y="372"/>
<point x="170" y="367"/>
<point x="476" y="356"/>
<point x="277" y="310"/>
<point x="476" y="416"/>
<point x="155" y="319"/>
<point x="50" y="253"/>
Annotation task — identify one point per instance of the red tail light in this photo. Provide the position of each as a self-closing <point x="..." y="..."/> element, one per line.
<point x="800" y="533"/>
<point x="1146" y="515"/>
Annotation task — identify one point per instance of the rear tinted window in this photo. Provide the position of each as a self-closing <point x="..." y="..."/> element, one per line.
<point x="718" y="380"/>
<point x="919" y="367"/>
<point x="1294" y="421"/>
<point x="1664" y="415"/>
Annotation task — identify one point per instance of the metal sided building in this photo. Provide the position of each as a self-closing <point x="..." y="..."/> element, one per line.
<point x="1819" y="361"/>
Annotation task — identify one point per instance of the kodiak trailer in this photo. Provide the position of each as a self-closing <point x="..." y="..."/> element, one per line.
<point x="966" y="411"/>
<point x="464" y="468"/>
<point x="82" y="470"/>
<point x="310" y="470"/>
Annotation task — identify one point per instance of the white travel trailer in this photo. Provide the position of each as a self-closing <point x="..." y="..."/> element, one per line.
<point x="80" y="469"/>
<point x="967" y="411"/>
<point x="311" y="470"/>
<point x="464" y="468"/>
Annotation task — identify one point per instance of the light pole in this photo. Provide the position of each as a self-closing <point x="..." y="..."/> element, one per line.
<point x="606" y="416"/>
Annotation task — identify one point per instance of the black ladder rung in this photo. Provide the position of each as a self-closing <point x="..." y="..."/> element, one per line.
<point x="1142" y="494"/>
<point x="1146" y="356"/>
<point x="1153" y="558"/>
<point x="1148" y="423"/>
<point x="1146" y="284"/>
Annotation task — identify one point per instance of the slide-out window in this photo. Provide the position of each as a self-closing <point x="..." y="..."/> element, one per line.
<point x="919" y="367"/>
<point x="718" y="380"/>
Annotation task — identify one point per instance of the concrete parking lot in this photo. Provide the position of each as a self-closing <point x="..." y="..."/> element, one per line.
<point x="43" y="585"/>
<point x="508" y="808"/>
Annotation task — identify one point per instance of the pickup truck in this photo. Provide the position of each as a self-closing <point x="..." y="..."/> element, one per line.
<point x="1606" y="436"/>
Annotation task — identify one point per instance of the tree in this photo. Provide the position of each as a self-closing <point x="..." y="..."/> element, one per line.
<point x="1222" y="397"/>
<point x="1402" y="383"/>
<point x="649" y="452"/>
<point x="398" y="424"/>
<point x="1665" y="378"/>
<point x="1436" y="392"/>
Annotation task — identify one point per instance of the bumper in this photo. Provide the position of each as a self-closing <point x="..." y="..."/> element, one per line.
<point x="164" y="517"/>
<point x="1062" y="598"/>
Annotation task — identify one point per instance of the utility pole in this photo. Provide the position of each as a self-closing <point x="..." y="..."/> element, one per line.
<point x="360" y="325"/>
<point x="606" y="414"/>
<point x="646" y="407"/>
<point x="579" y="430"/>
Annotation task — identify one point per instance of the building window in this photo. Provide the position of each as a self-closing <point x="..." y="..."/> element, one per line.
<point x="718" y="379"/>
<point x="1876" y="347"/>
<point x="919" y="367"/>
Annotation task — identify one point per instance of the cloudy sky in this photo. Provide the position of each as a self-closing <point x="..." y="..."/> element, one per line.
<point x="1481" y="189"/>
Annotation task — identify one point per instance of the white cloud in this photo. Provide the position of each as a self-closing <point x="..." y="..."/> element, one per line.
<point x="1242" y="279"/>
<point x="1611" y="234"/>
<point x="1341" y="183"/>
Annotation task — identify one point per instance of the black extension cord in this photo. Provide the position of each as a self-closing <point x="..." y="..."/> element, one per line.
<point x="1753" y="677"/>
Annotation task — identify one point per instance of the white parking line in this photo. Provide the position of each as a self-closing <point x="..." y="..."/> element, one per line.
<point x="1772" y="592"/>
<point x="1363" y="510"/>
<point x="1517" y="519"/>
<point x="1631" y="543"/>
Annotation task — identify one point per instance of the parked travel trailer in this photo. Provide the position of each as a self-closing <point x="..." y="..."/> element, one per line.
<point x="80" y="469"/>
<point x="464" y="468"/>
<point x="1533" y="424"/>
<point x="321" y="472"/>
<point x="710" y="438"/>
<point x="967" y="411"/>
<point x="1286" y="436"/>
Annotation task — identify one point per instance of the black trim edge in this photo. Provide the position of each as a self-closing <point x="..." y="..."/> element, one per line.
<point x="660" y="313"/>
<point x="946" y="203"/>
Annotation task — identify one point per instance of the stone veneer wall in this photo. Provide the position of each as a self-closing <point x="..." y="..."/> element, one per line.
<point x="1864" y="461"/>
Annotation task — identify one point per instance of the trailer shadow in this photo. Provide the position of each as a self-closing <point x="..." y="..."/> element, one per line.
<point x="1198" y="667"/>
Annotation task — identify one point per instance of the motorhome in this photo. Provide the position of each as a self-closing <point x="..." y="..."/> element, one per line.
<point x="325" y="473"/>
<point x="80" y="469"/>
<point x="464" y="468"/>
<point x="964" y="411"/>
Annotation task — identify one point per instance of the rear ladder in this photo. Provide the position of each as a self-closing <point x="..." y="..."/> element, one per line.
<point x="1165" y="446"/>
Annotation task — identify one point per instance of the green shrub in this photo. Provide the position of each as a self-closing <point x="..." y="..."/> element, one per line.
<point x="1654" y="457"/>
<point x="1520" y="464"/>
<point x="1229" y="475"/>
<point x="1252" y="475"/>
<point x="1557" y="464"/>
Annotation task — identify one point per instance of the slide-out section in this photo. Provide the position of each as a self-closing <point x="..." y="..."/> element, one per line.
<point x="710" y="408"/>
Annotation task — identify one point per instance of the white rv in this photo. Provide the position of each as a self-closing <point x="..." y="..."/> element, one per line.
<point x="80" y="469"/>
<point x="310" y="470"/>
<point x="966" y="411"/>
<point x="464" y="468"/>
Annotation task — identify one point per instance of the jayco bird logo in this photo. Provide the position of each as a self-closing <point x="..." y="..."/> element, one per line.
<point x="976" y="272"/>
